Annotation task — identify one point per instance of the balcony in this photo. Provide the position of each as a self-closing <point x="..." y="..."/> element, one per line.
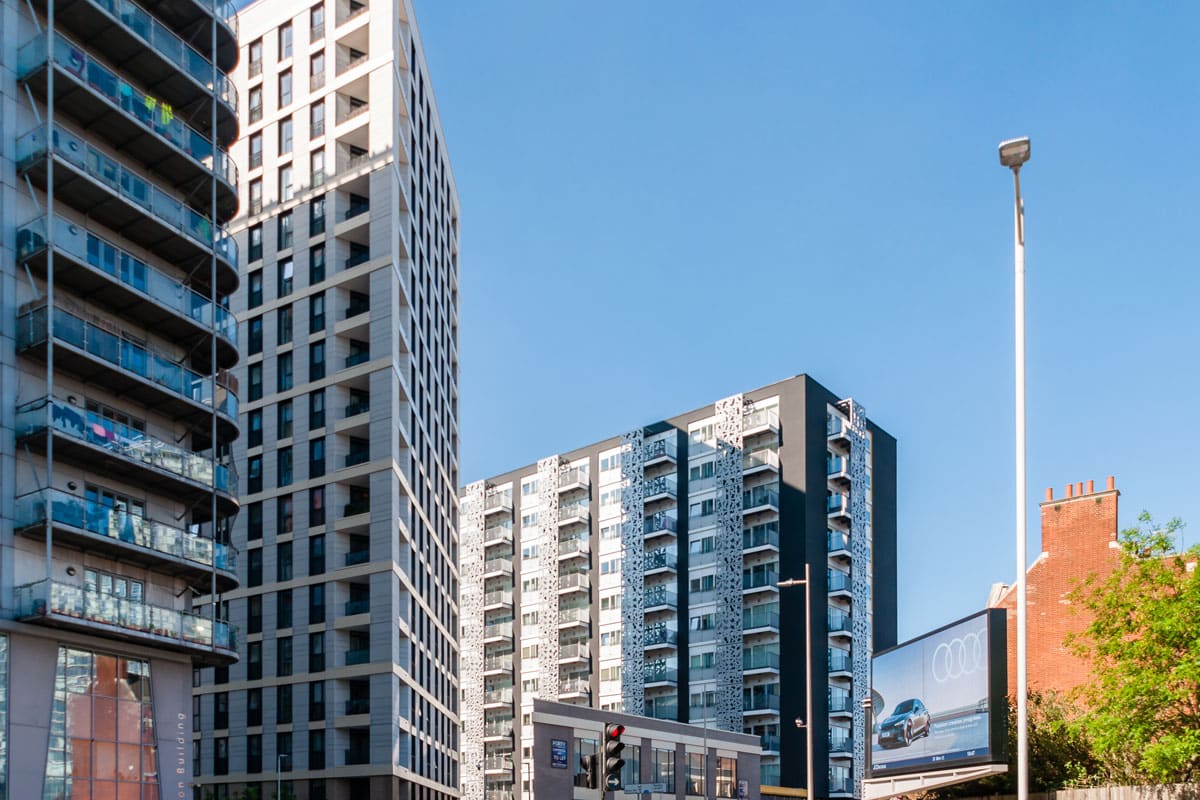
<point x="350" y="9"/>
<point x="660" y="598"/>
<point x="498" y="664"/>
<point x="760" y="499"/>
<point x="93" y="267"/>
<point x="761" y="420"/>
<point x="358" y="705"/>
<point x="766" y="460"/>
<point x="358" y="355"/>
<point x="657" y="676"/>
<point x="838" y="582"/>
<point x="574" y="617"/>
<point x="496" y="600"/>
<point x="498" y="730"/>
<point x="101" y="101"/>
<point x="126" y="368"/>
<point x="575" y="582"/>
<point x="102" y="444"/>
<point x="348" y="108"/>
<point x="357" y="755"/>
<point x="498" y="697"/>
<point x="573" y="514"/>
<point x="837" y="430"/>
<point x="660" y="524"/>
<point x="121" y="200"/>
<point x="840" y="703"/>
<point x="662" y="451"/>
<point x="348" y="58"/>
<point x="358" y="655"/>
<point x="660" y="637"/>
<point x="760" y="660"/>
<point x="574" y="688"/>
<point x="841" y="745"/>
<point x="839" y="662"/>
<point x="356" y="507"/>
<point x="839" y="623"/>
<point x="576" y="652"/>
<point x="756" y="579"/>
<point x="355" y="557"/>
<point x="497" y="568"/>
<point x="355" y="607"/>
<point x="497" y="631"/>
<point x="769" y="742"/>
<point x="575" y="547"/>
<point x="128" y="35"/>
<point x="837" y="506"/>
<point x="573" y="480"/>
<point x="661" y="488"/>
<point x="661" y="560"/>
<point x="761" y="538"/>
<point x="72" y="607"/>
<point x="837" y="468"/>
<point x="662" y="708"/>
<point x="101" y="529"/>
<point x="497" y="503"/>
<point x="761" y="618"/>
<point x="497" y="535"/>
<point x="837" y="544"/>
<point x="494" y="764"/>
<point x="760" y="703"/>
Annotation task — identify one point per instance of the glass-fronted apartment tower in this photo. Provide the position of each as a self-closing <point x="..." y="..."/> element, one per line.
<point x="640" y="574"/>
<point x="349" y="314"/>
<point x="118" y="406"/>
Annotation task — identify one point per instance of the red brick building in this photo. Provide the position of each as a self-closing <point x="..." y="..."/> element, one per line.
<point x="1079" y="537"/>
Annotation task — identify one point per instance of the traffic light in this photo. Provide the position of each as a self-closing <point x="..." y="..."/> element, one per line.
<point x="612" y="755"/>
<point x="589" y="766"/>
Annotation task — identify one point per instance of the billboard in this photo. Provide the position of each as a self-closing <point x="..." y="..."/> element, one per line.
<point x="940" y="700"/>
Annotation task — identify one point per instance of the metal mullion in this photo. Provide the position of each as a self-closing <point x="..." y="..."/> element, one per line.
<point x="49" y="283"/>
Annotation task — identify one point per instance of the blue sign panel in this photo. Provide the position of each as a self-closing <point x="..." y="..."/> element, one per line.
<point x="558" y="753"/>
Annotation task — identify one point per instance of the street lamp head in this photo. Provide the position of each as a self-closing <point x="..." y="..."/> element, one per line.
<point x="1014" y="152"/>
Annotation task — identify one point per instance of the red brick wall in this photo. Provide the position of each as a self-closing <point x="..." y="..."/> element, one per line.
<point x="1078" y="536"/>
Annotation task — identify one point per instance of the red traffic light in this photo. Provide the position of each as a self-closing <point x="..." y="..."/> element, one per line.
<point x="613" y="731"/>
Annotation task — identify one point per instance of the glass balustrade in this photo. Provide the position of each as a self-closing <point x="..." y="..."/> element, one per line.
<point x="837" y="540"/>
<point x="133" y="529"/>
<point x="123" y="441"/>
<point x="760" y="658"/>
<point x="664" y="485"/>
<point x="838" y="620"/>
<point x="659" y="522"/>
<point x="838" y="581"/>
<point x="663" y="448"/>
<point x="126" y="355"/>
<point x="760" y="496"/>
<point x="51" y="597"/>
<point x="166" y="43"/>
<point x="839" y="660"/>
<point x="124" y="182"/>
<point x="660" y="596"/>
<point x="763" y="535"/>
<point x="572" y="510"/>
<point x="761" y="616"/>
<point x="150" y="112"/>
<point x="659" y="559"/>
<point x="761" y="417"/>
<point x="89" y="248"/>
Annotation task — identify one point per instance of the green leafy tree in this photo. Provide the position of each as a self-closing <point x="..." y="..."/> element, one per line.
<point x="1144" y="647"/>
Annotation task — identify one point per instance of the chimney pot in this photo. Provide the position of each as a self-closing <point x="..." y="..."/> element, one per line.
<point x="1049" y="494"/>
<point x="1112" y="483"/>
<point x="1070" y="490"/>
<point x="1091" y="487"/>
<point x="1079" y="488"/>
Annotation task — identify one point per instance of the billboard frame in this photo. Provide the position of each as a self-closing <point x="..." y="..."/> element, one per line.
<point x="997" y="686"/>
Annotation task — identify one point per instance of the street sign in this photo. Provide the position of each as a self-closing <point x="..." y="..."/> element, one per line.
<point x="558" y="753"/>
<point x="743" y="790"/>
<point x="613" y="782"/>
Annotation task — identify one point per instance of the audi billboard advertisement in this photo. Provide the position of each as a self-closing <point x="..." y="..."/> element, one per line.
<point x="939" y="701"/>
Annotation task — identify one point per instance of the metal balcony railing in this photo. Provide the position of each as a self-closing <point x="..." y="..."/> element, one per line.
<point x="765" y="535"/>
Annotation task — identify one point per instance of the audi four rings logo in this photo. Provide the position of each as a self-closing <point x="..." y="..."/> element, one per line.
<point x="962" y="655"/>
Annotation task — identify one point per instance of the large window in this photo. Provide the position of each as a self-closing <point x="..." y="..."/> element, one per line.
<point x="632" y="771"/>
<point x="726" y="777"/>
<point x="664" y="769"/>
<point x="695" y="773"/>
<point x="285" y="136"/>
<point x="285" y="88"/>
<point x="102" y="734"/>
<point x="256" y="151"/>
<point x="587" y="751"/>
<point x="285" y="41"/>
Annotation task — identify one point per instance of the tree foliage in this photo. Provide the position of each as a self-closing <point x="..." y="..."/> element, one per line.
<point x="1144" y="647"/>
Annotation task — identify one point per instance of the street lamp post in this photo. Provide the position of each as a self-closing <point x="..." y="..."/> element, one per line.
<point x="279" y="757"/>
<point x="808" y="714"/>
<point x="1013" y="154"/>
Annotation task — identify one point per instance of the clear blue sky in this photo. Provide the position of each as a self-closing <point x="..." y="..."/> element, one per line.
<point x="667" y="202"/>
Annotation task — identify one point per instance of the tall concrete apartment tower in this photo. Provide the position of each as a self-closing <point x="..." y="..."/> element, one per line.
<point x="348" y="684"/>
<point x="640" y="574"/>
<point x="118" y="409"/>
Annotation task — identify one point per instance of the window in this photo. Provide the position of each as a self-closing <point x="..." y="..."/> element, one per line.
<point x="254" y="474"/>
<point x="316" y="457"/>
<point x="255" y="239"/>
<point x="254" y="521"/>
<point x="316" y="71"/>
<point x="316" y="313"/>
<point x="316" y="167"/>
<point x="702" y="471"/>
<point x="283" y="609"/>
<point x="316" y="22"/>
<point x="702" y="509"/>
<point x="285" y="136"/>
<point x="529" y="551"/>
<point x="704" y="433"/>
<point x="221" y="755"/>
<point x="610" y="638"/>
<point x="530" y="584"/>
<point x="316" y="554"/>
<point x="256" y="108"/>
<point x="529" y="488"/>
<point x="283" y="376"/>
<point x="283" y="420"/>
<point x="283" y="666"/>
<point x="585" y="749"/>
<point x="610" y="567"/>
<point x="316" y="701"/>
<point x="316" y="119"/>
<point x="255" y="57"/>
<point x="529" y="618"/>
<point x="254" y="707"/>
<point x="254" y="661"/>
<point x="610" y="674"/>
<point x="286" y="190"/>
<point x="704" y="583"/>
<point x="316" y="603"/>
<point x="255" y="337"/>
<point x="316" y="216"/>
<point x="610" y="531"/>
<point x="284" y="513"/>
<point x="284" y="459"/>
<point x="529" y="520"/>
<point x="316" y="506"/>
<point x="254" y="436"/>
<point x="726" y="776"/>
<point x="664" y="769"/>
<point x="285" y="88"/>
<point x="316" y="652"/>
<point x="632" y="771"/>
<point x="254" y="613"/>
<point x="316" y="264"/>
<point x="610" y="602"/>
<point x="316" y="409"/>
<point x="316" y="361"/>
<point x="316" y="754"/>
<point x="254" y="566"/>
<point x="702" y="622"/>
<point x="283" y="702"/>
<point x="256" y="196"/>
<point x="285" y="41"/>
<point x="283" y="325"/>
<point x="283" y="230"/>
<point x="285" y="277"/>
<point x="254" y="753"/>
<point x="221" y="710"/>
<point x="529" y="651"/>
<point x="256" y="150"/>
<point x="695" y="773"/>
<point x="283" y="561"/>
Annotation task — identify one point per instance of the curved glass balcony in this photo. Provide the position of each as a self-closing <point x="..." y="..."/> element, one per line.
<point x="97" y="268"/>
<point x="139" y="198"/>
<point x="152" y="130"/>
<point x="99" y="527"/>
<point x="93" y="435"/>
<point x="181" y="390"/>
<point x="64" y="605"/>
